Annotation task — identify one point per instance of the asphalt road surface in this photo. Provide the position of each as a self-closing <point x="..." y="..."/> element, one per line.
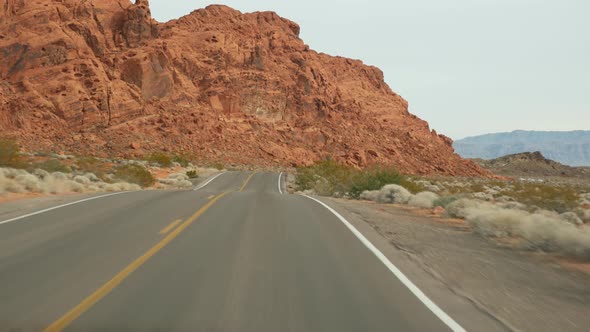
<point x="238" y="254"/>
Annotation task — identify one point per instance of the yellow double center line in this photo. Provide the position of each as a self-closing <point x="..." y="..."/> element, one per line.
<point x="168" y="228"/>
<point x="91" y="300"/>
<point x="246" y="182"/>
<point x="88" y="302"/>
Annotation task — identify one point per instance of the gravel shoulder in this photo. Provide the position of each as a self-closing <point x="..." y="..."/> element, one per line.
<point x="481" y="284"/>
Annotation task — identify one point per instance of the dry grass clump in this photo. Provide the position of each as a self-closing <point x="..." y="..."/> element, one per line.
<point x="393" y="193"/>
<point x="542" y="229"/>
<point x="41" y="181"/>
<point x="177" y="180"/>
<point x="424" y="199"/>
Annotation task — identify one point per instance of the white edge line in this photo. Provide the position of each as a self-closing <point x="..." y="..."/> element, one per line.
<point x="280" y="190"/>
<point x="209" y="181"/>
<point x="454" y="326"/>
<point x="60" y="206"/>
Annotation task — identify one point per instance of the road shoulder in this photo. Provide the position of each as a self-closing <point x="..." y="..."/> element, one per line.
<point x="473" y="280"/>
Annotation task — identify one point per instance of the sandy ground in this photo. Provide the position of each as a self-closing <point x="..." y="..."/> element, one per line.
<point x="521" y="290"/>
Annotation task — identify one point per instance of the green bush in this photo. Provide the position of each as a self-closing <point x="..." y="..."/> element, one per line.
<point x="182" y="159"/>
<point x="374" y="179"/>
<point x="217" y="165"/>
<point x="9" y="153"/>
<point x="135" y="174"/>
<point x="94" y="166"/>
<point x="192" y="174"/>
<point x="160" y="158"/>
<point x="53" y="165"/>
<point x="328" y="177"/>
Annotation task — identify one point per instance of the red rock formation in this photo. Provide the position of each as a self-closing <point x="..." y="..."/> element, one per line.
<point x="104" y="78"/>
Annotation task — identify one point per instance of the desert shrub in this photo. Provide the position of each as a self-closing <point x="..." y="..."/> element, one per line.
<point x="182" y="159"/>
<point x="160" y="158"/>
<point x="328" y="177"/>
<point x="423" y="199"/>
<point x="9" y="153"/>
<point x="584" y="215"/>
<point x="444" y="201"/>
<point x="373" y="179"/>
<point x="41" y="181"/>
<point x="412" y="186"/>
<point x="177" y="180"/>
<point x="192" y="174"/>
<point x="391" y="193"/>
<point x="477" y="187"/>
<point x="53" y="165"/>
<point x="572" y="218"/>
<point x="540" y="230"/>
<point x="92" y="165"/>
<point x="120" y="186"/>
<point x="134" y="174"/>
<point x="556" y="198"/>
<point x="217" y="165"/>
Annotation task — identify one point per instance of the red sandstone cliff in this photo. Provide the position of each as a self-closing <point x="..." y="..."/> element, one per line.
<point x="102" y="77"/>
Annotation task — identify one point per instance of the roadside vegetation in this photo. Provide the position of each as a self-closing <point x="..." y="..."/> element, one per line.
<point x="160" y="158"/>
<point x="330" y="178"/>
<point x="9" y="153"/>
<point x="51" y="173"/>
<point x="134" y="174"/>
<point x="534" y="214"/>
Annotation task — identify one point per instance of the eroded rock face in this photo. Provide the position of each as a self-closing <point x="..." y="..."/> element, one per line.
<point x="102" y="77"/>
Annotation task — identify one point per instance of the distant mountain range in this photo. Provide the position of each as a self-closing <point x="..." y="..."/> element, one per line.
<point x="567" y="147"/>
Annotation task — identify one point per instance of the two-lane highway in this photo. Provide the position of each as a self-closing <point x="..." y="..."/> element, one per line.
<point x="235" y="255"/>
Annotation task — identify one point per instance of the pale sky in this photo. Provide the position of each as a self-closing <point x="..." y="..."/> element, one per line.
<point x="468" y="67"/>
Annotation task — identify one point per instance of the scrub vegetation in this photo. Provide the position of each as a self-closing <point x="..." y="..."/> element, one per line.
<point x="537" y="214"/>
<point x="50" y="173"/>
<point x="330" y="178"/>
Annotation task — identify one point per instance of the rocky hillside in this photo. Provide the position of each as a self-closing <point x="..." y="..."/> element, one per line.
<point x="104" y="78"/>
<point x="532" y="164"/>
<point x="567" y="147"/>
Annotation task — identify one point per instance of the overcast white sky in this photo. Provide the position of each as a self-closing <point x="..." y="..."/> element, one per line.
<point x="467" y="67"/>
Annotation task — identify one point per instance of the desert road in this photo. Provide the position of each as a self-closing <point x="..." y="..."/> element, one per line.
<point x="235" y="254"/>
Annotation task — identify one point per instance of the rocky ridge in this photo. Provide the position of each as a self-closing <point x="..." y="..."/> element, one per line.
<point x="104" y="78"/>
<point x="567" y="147"/>
<point x="532" y="164"/>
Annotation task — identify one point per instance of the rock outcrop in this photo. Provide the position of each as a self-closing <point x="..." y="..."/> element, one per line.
<point x="529" y="164"/>
<point x="104" y="78"/>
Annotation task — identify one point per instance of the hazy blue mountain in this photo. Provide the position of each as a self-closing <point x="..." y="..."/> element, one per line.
<point x="567" y="147"/>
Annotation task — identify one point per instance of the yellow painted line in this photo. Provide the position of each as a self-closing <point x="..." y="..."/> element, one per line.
<point x="91" y="300"/>
<point x="246" y="182"/>
<point x="210" y="196"/>
<point x="168" y="228"/>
